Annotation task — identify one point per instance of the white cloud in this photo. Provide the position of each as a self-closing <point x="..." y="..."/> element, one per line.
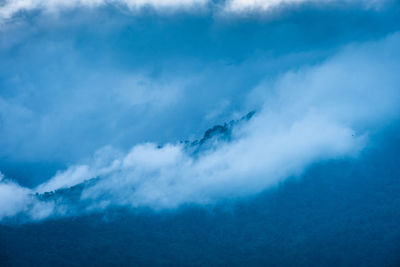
<point x="316" y="113"/>
<point x="9" y="8"/>
<point x="269" y="149"/>
<point x="245" y="5"/>
<point x="16" y="199"/>
<point x="265" y="5"/>
<point x="71" y="177"/>
<point x="13" y="199"/>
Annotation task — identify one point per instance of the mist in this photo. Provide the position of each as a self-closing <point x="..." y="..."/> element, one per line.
<point x="315" y="113"/>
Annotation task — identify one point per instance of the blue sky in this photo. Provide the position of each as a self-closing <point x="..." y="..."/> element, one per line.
<point x="91" y="88"/>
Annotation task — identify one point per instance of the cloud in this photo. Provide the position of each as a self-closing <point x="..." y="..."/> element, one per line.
<point x="316" y="113"/>
<point x="133" y="79"/>
<point x="246" y="5"/>
<point x="261" y="158"/>
<point x="312" y="114"/>
<point x="238" y="6"/>
<point x="13" y="199"/>
<point x="66" y="179"/>
<point x="10" y="8"/>
<point x="103" y="102"/>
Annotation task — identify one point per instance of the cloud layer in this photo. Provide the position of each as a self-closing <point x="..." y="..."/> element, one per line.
<point x="315" y="113"/>
<point x="10" y="8"/>
<point x="262" y="5"/>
